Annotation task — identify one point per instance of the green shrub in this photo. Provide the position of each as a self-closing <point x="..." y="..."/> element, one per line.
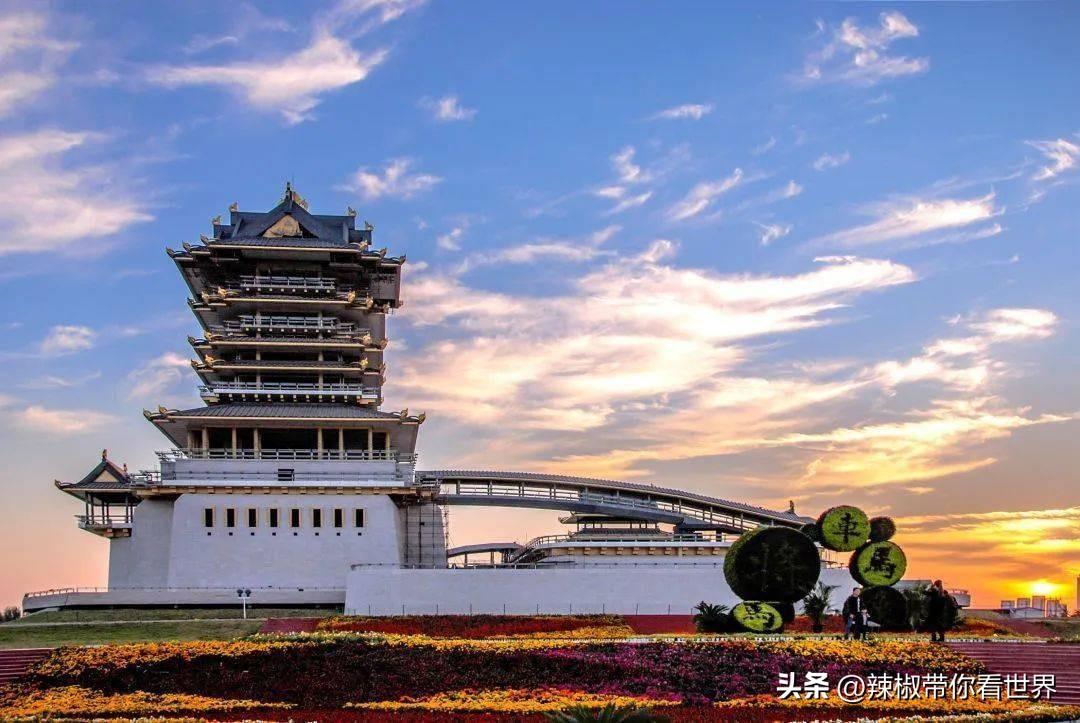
<point x="772" y="563"/>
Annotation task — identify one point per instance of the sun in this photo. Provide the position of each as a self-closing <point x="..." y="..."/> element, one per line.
<point x="1042" y="587"/>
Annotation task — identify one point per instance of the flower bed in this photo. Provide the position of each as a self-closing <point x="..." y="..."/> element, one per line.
<point x="335" y="670"/>
<point x="514" y="700"/>
<point x="73" y="700"/>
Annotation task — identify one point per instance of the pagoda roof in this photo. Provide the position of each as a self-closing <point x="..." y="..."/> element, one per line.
<point x="174" y="423"/>
<point x="290" y="224"/>
<point x="105" y="477"/>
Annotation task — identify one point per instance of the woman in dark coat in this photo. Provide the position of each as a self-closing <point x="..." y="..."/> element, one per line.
<point x="940" y="611"/>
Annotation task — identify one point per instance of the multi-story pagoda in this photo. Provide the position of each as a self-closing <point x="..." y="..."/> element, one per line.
<point x="292" y="483"/>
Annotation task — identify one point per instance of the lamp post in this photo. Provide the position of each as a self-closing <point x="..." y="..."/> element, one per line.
<point x="243" y="594"/>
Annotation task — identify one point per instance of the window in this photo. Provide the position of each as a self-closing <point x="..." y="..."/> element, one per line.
<point x="294" y="517"/>
<point x="359" y="519"/>
<point x="253" y="517"/>
<point x="339" y="517"/>
<point x="273" y="517"/>
<point x="208" y="517"/>
<point x="316" y="517"/>
<point x="230" y="517"/>
<point x="286" y="475"/>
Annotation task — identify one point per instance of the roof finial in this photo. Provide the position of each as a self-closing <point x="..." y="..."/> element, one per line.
<point x="104" y="454"/>
<point x="235" y="206"/>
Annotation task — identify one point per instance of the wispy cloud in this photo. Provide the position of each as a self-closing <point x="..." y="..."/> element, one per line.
<point x="395" y="181"/>
<point x="702" y="196"/>
<point x="447" y="109"/>
<point x="247" y="21"/>
<point x="156" y="377"/>
<point x="292" y="85"/>
<point x="451" y="240"/>
<point x="689" y="111"/>
<point x="30" y="57"/>
<point x="61" y="421"/>
<point x="89" y="198"/>
<point x="583" y="249"/>
<point x="628" y="175"/>
<point x="915" y="221"/>
<point x="1062" y="156"/>
<point x="772" y="231"/>
<point x="831" y="160"/>
<point x="67" y="339"/>
<point x="860" y="55"/>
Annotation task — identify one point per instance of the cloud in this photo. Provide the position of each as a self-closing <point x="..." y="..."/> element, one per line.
<point x="565" y="249"/>
<point x="1011" y="549"/>
<point x="451" y="240"/>
<point x="630" y="202"/>
<point x="625" y="168"/>
<point x="157" y="376"/>
<point x="634" y="320"/>
<point x="860" y="55"/>
<point x="764" y="147"/>
<point x="771" y="232"/>
<point x="30" y="58"/>
<point x="395" y="181"/>
<point x="294" y="84"/>
<point x="828" y="161"/>
<point x="692" y="111"/>
<point x="917" y="219"/>
<point x="1062" y="157"/>
<point x="67" y="339"/>
<point x="89" y="198"/>
<point x="447" y="109"/>
<point x="248" y="21"/>
<point x="61" y="421"/>
<point x="702" y="196"/>
<point x="52" y="381"/>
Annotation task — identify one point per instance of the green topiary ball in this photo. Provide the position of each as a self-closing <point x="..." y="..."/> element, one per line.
<point x="758" y="617"/>
<point x="772" y="563"/>
<point x="878" y="563"/>
<point x="843" y="528"/>
<point x="811" y="530"/>
<point x="886" y="606"/>
<point x="881" y="529"/>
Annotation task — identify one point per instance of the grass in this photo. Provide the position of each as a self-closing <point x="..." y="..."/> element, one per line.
<point x="1066" y="629"/>
<point x="230" y="613"/>
<point x="16" y="636"/>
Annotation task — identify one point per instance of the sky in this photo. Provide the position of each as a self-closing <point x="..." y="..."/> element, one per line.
<point x="811" y="252"/>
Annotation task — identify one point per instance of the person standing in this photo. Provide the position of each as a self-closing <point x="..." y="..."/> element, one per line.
<point x="940" y="611"/>
<point x="854" y="613"/>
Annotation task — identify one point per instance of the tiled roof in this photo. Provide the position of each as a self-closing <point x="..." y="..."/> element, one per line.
<point x="288" y="242"/>
<point x="281" y="410"/>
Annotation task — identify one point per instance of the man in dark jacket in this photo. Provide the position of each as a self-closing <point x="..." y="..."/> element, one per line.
<point x="940" y="611"/>
<point x="854" y="613"/>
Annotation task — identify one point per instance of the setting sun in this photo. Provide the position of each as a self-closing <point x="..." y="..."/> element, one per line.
<point x="1042" y="587"/>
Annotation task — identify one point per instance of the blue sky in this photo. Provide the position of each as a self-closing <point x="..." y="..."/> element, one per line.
<point x="808" y="252"/>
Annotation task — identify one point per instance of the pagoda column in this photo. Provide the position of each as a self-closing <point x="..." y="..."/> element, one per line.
<point x="341" y="442"/>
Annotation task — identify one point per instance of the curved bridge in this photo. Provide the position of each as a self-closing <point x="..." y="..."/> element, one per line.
<point x="688" y="511"/>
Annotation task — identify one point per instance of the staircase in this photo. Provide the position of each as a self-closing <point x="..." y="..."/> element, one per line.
<point x="1061" y="660"/>
<point x="14" y="663"/>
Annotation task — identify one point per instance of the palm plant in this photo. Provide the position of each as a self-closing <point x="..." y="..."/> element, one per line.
<point x="816" y="605"/>
<point x="711" y="618"/>
<point x="610" y="713"/>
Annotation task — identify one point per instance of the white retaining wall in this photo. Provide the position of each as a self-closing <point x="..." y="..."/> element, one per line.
<point x="643" y="590"/>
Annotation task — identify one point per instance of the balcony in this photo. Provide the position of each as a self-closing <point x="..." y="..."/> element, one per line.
<point x="284" y="284"/>
<point x="274" y="467"/>
<point x="111" y="523"/>
<point x="287" y="389"/>
<point x="316" y="324"/>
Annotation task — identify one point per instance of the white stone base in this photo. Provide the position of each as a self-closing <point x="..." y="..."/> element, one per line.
<point x="627" y="590"/>
<point x="191" y="597"/>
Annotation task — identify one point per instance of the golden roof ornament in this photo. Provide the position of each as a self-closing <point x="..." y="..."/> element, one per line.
<point x="234" y="207"/>
<point x="350" y="211"/>
<point x="368" y="226"/>
<point x="421" y="417"/>
<point x="216" y="220"/>
<point x="186" y="246"/>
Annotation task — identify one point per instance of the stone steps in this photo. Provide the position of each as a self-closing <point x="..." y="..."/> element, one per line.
<point x="1061" y="660"/>
<point x="15" y="662"/>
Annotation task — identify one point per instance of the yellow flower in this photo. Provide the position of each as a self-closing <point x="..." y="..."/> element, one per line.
<point x="73" y="700"/>
<point x="541" y="700"/>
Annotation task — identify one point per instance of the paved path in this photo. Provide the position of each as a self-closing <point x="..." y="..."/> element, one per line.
<point x="16" y="661"/>
<point x="1060" y="659"/>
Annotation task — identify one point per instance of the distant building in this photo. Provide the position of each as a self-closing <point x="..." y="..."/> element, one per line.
<point x="1023" y="602"/>
<point x="1038" y="602"/>
<point x="1008" y="604"/>
<point x="1056" y="609"/>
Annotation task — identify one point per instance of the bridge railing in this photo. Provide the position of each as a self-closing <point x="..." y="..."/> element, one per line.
<point x="630" y="499"/>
